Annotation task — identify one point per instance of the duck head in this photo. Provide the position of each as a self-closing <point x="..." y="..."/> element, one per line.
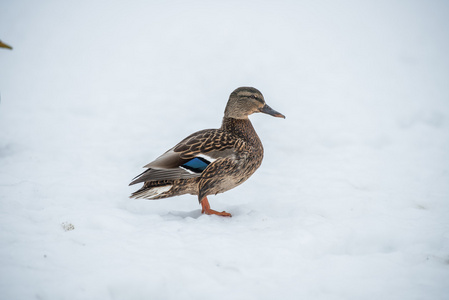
<point x="245" y="101"/>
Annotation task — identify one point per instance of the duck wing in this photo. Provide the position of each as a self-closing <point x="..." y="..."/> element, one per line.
<point x="190" y="157"/>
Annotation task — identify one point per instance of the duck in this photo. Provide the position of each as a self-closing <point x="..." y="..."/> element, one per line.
<point x="210" y="161"/>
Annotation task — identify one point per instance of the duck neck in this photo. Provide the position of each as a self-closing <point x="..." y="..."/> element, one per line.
<point x="242" y="128"/>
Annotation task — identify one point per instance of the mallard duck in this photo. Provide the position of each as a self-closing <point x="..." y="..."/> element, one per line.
<point x="210" y="161"/>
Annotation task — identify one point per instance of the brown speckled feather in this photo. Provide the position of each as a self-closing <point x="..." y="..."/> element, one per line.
<point x="235" y="147"/>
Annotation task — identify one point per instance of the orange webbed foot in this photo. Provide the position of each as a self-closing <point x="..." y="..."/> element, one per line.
<point x="208" y="211"/>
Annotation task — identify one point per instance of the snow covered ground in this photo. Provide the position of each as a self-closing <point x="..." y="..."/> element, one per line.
<point x="351" y="201"/>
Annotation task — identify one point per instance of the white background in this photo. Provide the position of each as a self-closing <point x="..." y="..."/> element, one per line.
<point x="351" y="201"/>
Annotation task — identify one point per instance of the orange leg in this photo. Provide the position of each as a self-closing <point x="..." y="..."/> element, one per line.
<point x="208" y="211"/>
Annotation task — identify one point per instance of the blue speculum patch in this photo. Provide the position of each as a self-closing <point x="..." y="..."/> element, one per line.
<point x="197" y="164"/>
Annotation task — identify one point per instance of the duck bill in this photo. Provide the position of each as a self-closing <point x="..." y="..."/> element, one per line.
<point x="3" y="45"/>
<point x="269" y="111"/>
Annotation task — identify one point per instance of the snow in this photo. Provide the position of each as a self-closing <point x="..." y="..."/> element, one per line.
<point x="351" y="201"/>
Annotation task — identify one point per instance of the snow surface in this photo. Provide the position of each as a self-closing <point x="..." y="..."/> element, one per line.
<point x="351" y="201"/>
